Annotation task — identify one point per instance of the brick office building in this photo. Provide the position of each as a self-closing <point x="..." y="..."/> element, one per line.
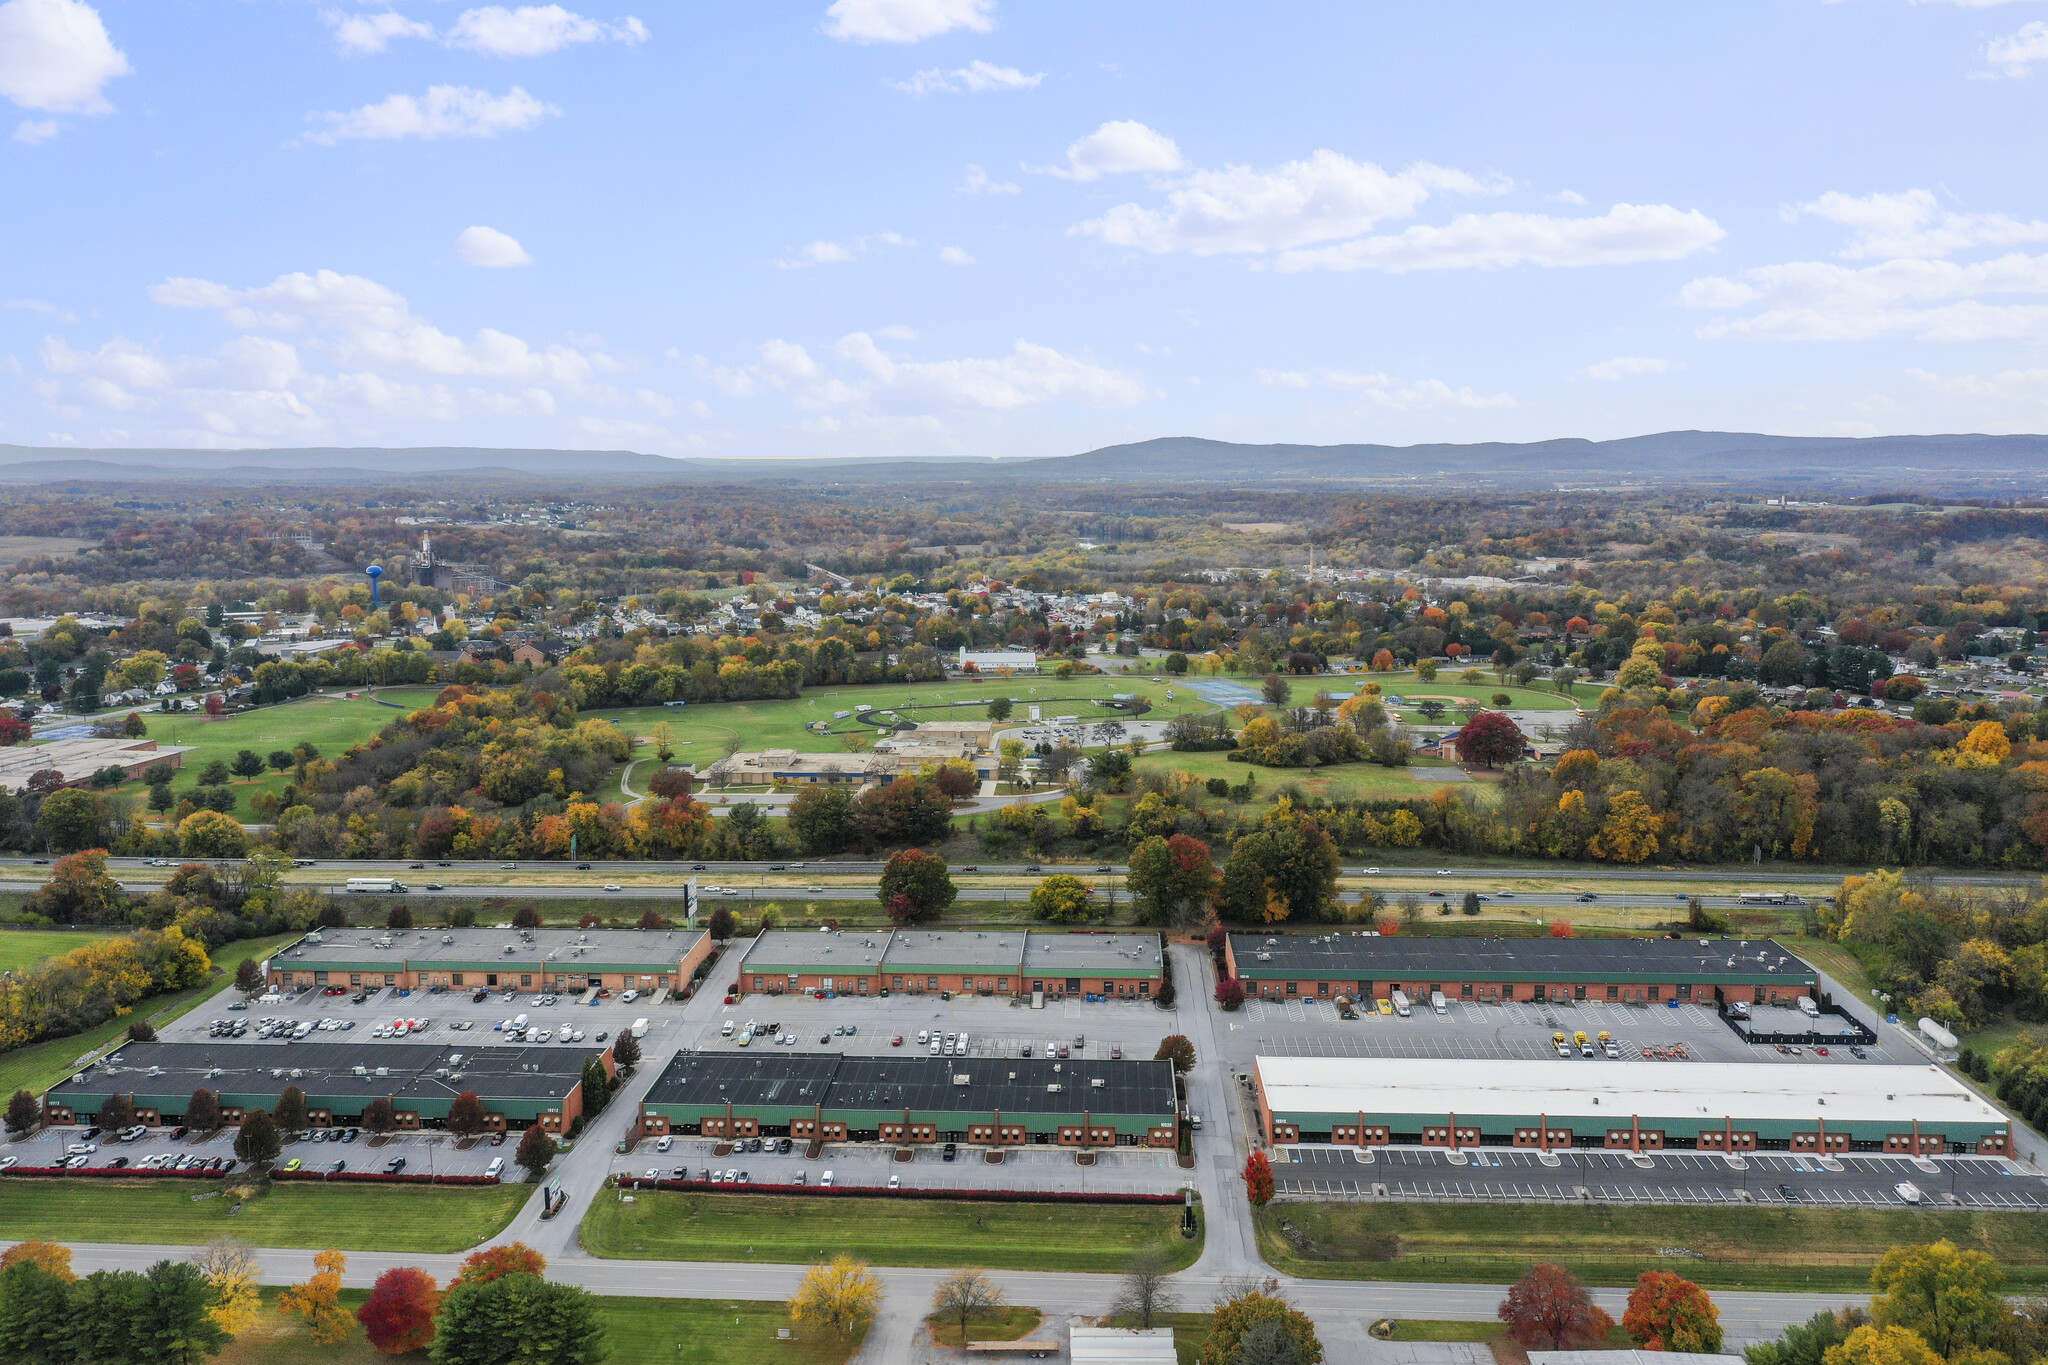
<point x="1645" y="971"/>
<point x="990" y="1101"/>
<point x="1634" y="1106"/>
<point x="519" y="1086"/>
<point x="929" y="961"/>
<point x="650" y="961"/>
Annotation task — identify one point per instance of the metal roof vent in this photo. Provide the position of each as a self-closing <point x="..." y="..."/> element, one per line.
<point x="354" y="1070"/>
<point x="962" y="1078"/>
<point x="383" y="1071"/>
<point x="1097" y="1082"/>
<point x="1054" y="1088"/>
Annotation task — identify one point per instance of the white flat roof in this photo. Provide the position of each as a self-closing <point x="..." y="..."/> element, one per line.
<point x="1852" y="1091"/>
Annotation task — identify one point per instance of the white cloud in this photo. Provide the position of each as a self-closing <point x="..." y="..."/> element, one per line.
<point x="840" y="253"/>
<point x="2019" y="386"/>
<point x="1384" y="391"/>
<point x="896" y="331"/>
<point x="975" y="78"/>
<point x="1932" y="300"/>
<point x="905" y="21"/>
<point x="2016" y="53"/>
<point x="1625" y="235"/>
<point x="444" y="111"/>
<point x="56" y="55"/>
<point x="31" y="131"/>
<point x="1116" y="148"/>
<point x="1238" y="209"/>
<point x="1572" y="197"/>
<point x="1627" y="367"/>
<point x="533" y="30"/>
<point x="976" y="181"/>
<point x="1912" y="225"/>
<point x="322" y="356"/>
<point x="357" y="35"/>
<point x="953" y="255"/>
<point x="490" y="248"/>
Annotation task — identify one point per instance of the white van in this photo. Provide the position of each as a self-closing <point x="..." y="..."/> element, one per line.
<point x="1401" y="1004"/>
<point x="629" y="997"/>
<point x="961" y="1050"/>
<point x="1907" y="1191"/>
<point x="1436" y="1002"/>
<point x="497" y="1165"/>
<point x="640" y="1028"/>
<point x="519" y="1021"/>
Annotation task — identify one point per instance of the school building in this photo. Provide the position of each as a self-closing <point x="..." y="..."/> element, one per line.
<point x="652" y="961"/>
<point x="1631" y="1106"/>
<point x="987" y="1101"/>
<point x="518" y="1086"/>
<point x="931" y="961"/>
<point x="1636" y="971"/>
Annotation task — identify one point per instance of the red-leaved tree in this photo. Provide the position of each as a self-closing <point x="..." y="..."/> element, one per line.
<point x="1549" y="1309"/>
<point x="1668" y="1312"/>
<point x="1561" y="928"/>
<point x="1490" y="738"/>
<point x="1230" y="993"/>
<point x="1258" y="1179"/>
<point x="514" y="1258"/>
<point x="398" y="1317"/>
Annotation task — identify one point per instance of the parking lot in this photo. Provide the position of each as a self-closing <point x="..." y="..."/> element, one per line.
<point x="1116" y="1171"/>
<point x="1517" y="1029"/>
<point x="1520" y="1176"/>
<point x="423" y="1153"/>
<point x="444" y="1016"/>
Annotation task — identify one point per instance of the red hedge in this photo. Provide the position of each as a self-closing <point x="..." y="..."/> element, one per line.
<point x="863" y="1192"/>
<point x="111" y="1173"/>
<point x="381" y="1178"/>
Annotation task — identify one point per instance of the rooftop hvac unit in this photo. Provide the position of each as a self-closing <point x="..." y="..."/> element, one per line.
<point x="1265" y="957"/>
<point x="359" y="1070"/>
<point x="455" y="1059"/>
<point x="962" y="1078"/>
<point x="1097" y="1082"/>
<point x="383" y="1071"/>
<point x="511" y="947"/>
<point x="158" y="1071"/>
<point x="298" y="1073"/>
<point x="277" y="1071"/>
<point x="1054" y="1088"/>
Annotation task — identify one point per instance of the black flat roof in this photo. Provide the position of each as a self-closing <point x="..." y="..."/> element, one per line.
<point x="1406" y="957"/>
<point x="329" y="1069"/>
<point x="1014" y="1085"/>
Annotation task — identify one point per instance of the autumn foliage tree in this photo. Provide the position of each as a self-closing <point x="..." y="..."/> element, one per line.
<point x="914" y="887"/>
<point x="1230" y="993"/>
<point x="1668" y="1312"/>
<point x="318" y="1300"/>
<point x="1549" y="1309"/>
<point x="1267" y="1320"/>
<point x="1492" y="738"/>
<point x="837" y="1297"/>
<point x="466" y="1118"/>
<point x="481" y="1267"/>
<point x="1258" y="1179"/>
<point x="398" y="1317"/>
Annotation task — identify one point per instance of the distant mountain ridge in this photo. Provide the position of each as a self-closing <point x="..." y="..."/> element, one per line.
<point x="1712" y="457"/>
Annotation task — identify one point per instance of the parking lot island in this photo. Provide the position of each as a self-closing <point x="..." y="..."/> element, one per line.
<point x="653" y="962"/>
<point x="993" y="1102"/>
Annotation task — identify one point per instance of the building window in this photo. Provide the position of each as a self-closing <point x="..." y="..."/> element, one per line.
<point x="1291" y="988"/>
<point x="456" y="979"/>
<point x="1614" y="992"/>
<point x="1465" y="989"/>
<point x="1322" y="988"/>
<point x="1073" y="985"/>
<point x="1656" y="992"/>
<point x="355" y="978"/>
<point x="1578" y="992"/>
<point x="526" y="978"/>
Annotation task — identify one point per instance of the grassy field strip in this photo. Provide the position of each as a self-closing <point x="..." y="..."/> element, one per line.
<point x="40" y="1065"/>
<point x="21" y="948"/>
<point x="669" y="1225"/>
<point x="638" y="1332"/>
<point x="1771" y="1249"/>
<point x="414" y="1218"/>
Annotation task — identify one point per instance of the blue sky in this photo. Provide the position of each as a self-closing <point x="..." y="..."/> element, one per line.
<point x="923" y="227"/>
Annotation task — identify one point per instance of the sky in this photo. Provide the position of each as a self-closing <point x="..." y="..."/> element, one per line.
<point x="992" y="227"/>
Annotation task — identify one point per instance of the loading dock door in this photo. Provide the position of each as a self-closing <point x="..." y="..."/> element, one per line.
<point x="1037" y="997"/>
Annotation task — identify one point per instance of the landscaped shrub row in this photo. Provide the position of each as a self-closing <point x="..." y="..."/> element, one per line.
<point x="112" y="1173"/>
<point x="860" y="1192"/>
<point x="380" y="1178"/>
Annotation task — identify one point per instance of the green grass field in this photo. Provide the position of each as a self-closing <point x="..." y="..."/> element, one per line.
<point x="638" y="1332"/>
<point x="1774" y="1249"/>
<point x="700" y="728"/>
<point x="1344" y="782"/>
<point x="21" y="948"/>
<point x="353" y="1217"/>
<point x="996" y="1324"/>
<point x="331" y="724"/>
<point x="703" y="1227"/>
<point x="40" y="1065"/>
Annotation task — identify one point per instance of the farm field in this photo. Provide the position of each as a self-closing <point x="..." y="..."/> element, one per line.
<point x="331" y="724"/>
<point x="1342" y="782"/>
<point x="669" y="1225"/>
<point x="21" y="948"/>
<point x="637" y="1331"/>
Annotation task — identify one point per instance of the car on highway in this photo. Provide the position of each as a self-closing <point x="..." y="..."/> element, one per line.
<point x="1588" y="896"/>
<point x="583" y="867"/>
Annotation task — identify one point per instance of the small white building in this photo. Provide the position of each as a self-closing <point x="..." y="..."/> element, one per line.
<point x="998" y="660"/>
<point x="1121" y="1346"/>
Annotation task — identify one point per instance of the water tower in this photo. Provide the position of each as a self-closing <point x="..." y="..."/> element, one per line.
<point x="376" y="575"/>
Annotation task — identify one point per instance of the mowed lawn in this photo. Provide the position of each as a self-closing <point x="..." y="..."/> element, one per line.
<point x="330" y="724"/>
<point x="1341" y="782"/>
<point x="39" y="1066"/>
<point x="1775" y="1249"/>
<point x="637" y="1331"/>
<point x="21" y="948"/>
<point x="418" y="1218"/>
<point x="701" y="727"/>
<point x="667" y="1225"/>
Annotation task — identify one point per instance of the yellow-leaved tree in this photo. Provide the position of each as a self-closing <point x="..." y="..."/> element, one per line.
<point x="840" y="1297"/>
<point x="318" y="1300"/>
<point x="230" y="1269"/>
